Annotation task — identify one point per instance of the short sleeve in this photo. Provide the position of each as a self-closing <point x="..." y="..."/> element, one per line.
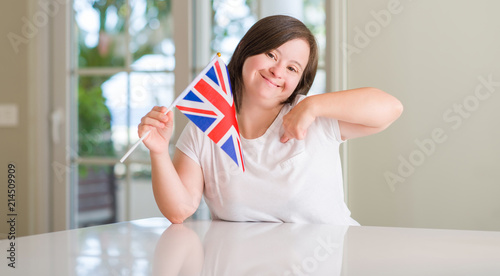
<point x="336" y="130"/>
<point x="189" y="142"/>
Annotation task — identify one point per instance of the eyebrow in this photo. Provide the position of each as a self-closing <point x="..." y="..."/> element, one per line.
<point x="292" y="61"/>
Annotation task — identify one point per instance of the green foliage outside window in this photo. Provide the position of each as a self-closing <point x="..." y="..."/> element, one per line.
<point x="94" y="117"/>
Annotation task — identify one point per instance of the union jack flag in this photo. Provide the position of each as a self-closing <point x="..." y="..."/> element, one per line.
<point x="208" y="103"/>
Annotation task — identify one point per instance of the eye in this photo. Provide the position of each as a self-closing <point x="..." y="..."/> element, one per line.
<point x="292" y="69"/>
<point x="271" y="55"/>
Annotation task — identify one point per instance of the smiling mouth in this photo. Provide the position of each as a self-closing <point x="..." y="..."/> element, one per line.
<point x="269" y="81"/>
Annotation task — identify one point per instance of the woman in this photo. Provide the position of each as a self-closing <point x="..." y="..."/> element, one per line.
<point x="290" y="142"/>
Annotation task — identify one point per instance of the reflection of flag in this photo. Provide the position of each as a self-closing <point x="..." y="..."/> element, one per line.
<point x="208" y="103"/>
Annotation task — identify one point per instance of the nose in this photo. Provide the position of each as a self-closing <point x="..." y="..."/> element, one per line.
<point x="276" y="70"/>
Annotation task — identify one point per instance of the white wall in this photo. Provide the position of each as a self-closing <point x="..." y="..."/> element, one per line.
<point x="14" y="140"/>
<point x="25" y="77"/>
<point x="435" y="57"/>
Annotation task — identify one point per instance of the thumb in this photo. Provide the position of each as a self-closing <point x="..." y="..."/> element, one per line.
<point x="170" y="116"/>
<point x="284" y="138"/>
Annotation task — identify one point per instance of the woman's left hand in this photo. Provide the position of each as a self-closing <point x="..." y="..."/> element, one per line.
<point x="297" y="121"/>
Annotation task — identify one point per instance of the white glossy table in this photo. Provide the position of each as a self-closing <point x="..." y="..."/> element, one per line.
<point x="155" y="247"/>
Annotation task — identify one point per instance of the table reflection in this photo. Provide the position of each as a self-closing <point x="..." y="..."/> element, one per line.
<point x="155" y="247"/>
<point x="228" y="248"/>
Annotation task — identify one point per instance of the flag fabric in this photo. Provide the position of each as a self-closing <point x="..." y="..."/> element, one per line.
<point x="208" y="103"/>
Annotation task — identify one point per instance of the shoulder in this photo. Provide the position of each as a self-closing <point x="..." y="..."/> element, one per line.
<point x="191" y="130"/>
<point x="298" y="99"/>
<point x="190" y="138"/>
<point x="289" y="106"/>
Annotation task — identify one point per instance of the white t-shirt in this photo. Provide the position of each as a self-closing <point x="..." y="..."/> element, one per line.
<point x="299" y="181"/>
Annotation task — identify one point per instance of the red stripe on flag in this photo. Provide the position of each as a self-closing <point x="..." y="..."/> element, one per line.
<point x="221" y="77"/>
<point x="220" y="103"/>
<point x="241" y="155"/>
<point x="196" y="110"/>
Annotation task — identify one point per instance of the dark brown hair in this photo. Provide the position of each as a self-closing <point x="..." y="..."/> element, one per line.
<point x="268" y="34"/>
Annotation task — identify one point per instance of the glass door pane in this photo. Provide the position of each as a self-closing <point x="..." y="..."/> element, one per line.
<point x="95" y="117"/>
<point x="151" y="30"/>
<point x="96" y="195"/>
<point x="99" y="33"/>
<point x="147" y="90"/>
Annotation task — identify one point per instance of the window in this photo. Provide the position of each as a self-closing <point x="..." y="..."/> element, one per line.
<point x="123" y="55"/>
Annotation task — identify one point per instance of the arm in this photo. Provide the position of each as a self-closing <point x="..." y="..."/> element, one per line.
<point x="178" y="252"/>
<point x="177" y="183"/>
<point x="360" y="112"/>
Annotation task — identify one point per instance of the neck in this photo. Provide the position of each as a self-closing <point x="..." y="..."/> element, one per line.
<point x="253" y="121"/>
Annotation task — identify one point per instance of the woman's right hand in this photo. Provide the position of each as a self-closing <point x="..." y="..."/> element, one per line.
<point x="161" y="127"/>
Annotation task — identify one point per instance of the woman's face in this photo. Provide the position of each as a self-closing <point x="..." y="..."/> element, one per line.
<point x="270" y="78"/>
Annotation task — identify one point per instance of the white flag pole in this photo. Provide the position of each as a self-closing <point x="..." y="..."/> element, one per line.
<point x="174" y="103"/>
